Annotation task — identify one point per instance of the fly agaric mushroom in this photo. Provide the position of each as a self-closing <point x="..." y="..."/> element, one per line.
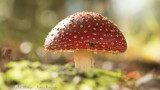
<point x="85" y="33"/>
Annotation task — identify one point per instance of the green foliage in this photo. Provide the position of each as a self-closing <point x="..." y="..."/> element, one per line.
<point x="2" y="84"/>
<point x="25" y="74"/>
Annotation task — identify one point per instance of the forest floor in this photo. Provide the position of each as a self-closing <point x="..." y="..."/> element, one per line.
<point x="124" y="75"/>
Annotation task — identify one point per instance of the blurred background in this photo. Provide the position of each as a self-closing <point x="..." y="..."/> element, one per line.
<point x="24" y="25"/>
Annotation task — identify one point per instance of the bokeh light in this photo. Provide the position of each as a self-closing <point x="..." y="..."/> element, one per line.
<point x="25" y="47"/>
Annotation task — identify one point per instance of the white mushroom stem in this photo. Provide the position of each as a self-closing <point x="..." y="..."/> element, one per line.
<point x="84" y="59"/>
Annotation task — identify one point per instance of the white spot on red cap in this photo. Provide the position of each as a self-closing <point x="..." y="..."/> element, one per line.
<point x="101" y="38"/>
<point x="74" y="25"/>
<point x="112" y="30"/>
<point x="81" y="37"/>
<point x="81" y="26"/>
<point x="85" y="31"/>
<point x="94" y="33"/>
<point x="112" y="43"/>
<point x="75" y="36"/>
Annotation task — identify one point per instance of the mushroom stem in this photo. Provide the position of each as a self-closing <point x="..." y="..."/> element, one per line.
<point x="83" y="59"/>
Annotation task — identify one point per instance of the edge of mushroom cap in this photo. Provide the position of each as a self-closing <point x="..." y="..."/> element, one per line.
<point x="94" y="51"/>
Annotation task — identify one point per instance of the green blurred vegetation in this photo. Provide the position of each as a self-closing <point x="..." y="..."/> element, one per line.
<point x="24" y="74"/>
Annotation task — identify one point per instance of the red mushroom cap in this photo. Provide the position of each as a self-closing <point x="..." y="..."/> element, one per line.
<point x="86" y="31"/>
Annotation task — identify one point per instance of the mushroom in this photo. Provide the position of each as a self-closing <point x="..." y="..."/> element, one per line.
<point x="85" y="33"/>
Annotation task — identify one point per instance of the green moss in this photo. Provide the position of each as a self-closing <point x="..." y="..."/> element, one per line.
<point x="3" y="86"/>
<point x="36" y="75"/>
